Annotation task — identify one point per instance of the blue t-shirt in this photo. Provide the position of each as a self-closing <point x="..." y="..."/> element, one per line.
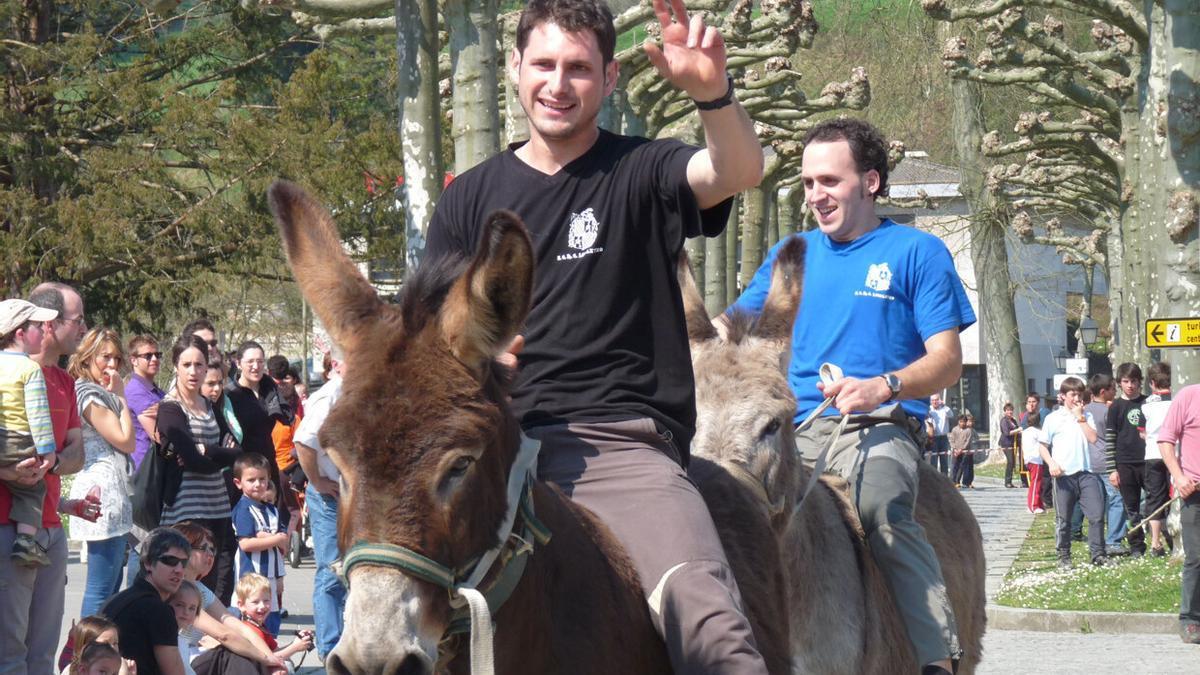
<point x="249" y="518"/>
<point x="868" y="306"/>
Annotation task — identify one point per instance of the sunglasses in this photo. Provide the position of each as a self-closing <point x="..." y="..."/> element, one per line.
<point x="211" y="343"/>
<point x="207" y="548"/>
<point x="172" y="561"/>
<point x="149" y="355"/>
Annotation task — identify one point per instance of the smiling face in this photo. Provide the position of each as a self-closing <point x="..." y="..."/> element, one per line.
<point x="252" y="364"/>
<point x="256" y="606"/>
<point x="839" y="195"/>
<point x="561" y="82"/>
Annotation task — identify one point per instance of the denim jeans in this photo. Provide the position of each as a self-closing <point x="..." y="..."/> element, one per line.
<point x="106" y="559"/>
<point x="329" y="595"/>
<point x="132" y="565"/>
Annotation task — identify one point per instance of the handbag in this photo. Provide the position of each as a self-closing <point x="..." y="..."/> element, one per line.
<point x="151" y="486"/>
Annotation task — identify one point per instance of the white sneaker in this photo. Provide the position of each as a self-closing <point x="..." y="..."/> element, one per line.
<point x="1036" y="511"/>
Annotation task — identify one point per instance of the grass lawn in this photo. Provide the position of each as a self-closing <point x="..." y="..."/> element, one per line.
<point x="1145" y="585"/>
<point x="991" y="471"/>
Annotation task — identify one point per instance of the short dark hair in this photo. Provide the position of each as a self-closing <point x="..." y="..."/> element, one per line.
<point x="185" y="343"/>
<point x="277" y="366"/>
<point x="199" y="323"/>
<point x="1033" y="419"/>
<point x="1008" y="405"/>
<point x="139" y="340"/>
<point x="158" y="542"/>
<point x="1159" y="375"/>
<point x="1129" y="371"/>
<point x="250" y="460"/>
<point x="867" y="145"/>
<point x="1033" y="394"/>
<point x="573" y="16"/>
<point x="1099" y="383"/>
<point x="216" y="360"/>
<point x="1072" y="384"/>
<point x="248" y="344"/>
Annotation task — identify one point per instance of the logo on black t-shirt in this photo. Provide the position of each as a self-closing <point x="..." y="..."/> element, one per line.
<point x="581" y="234"/>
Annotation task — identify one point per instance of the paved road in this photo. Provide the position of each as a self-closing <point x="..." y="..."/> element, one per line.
<point x="1003" y="520"/>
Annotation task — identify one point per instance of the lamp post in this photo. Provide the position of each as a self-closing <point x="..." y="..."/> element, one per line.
<point x="1088" y="333"/>
<point x="1060" y="360"/>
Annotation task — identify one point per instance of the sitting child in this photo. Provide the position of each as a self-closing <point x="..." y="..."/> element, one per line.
<point x="186" y="603"/>
<point x="254" y="601"/>
<point x="88" y="630"/>
<point x="99" y="658"/>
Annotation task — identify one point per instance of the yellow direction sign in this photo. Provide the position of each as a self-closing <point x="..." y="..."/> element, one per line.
<point x="1183" y="332"/>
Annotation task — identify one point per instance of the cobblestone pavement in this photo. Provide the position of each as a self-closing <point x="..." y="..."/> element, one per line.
<point x="1003" y="521"/>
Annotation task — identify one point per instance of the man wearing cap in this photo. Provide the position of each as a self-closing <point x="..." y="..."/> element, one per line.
<point x="25" y="429"/>
<point x="29" y="630"/>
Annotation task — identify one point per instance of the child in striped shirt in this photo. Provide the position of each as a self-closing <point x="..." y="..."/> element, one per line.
<point x="262" y="539"/>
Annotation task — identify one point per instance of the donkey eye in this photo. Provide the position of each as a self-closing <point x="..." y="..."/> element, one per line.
<point x="770" y="429"/>
<point x="461" y="464"/>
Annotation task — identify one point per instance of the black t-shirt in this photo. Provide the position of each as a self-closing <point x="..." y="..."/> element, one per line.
<point x="144" y="622"/>
<point x="1124" y="441"/>
<point x="605" y="337"/>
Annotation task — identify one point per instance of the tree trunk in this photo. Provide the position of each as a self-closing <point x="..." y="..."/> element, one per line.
<point x="696" y="256"/>
<point x="754" y="216"/>
<point x="420" y="119"/>
<point x="787" y="213"/>
<point x="989" y="255"/>
<point x="1177" y="192"/>
<point x="732" y="233"/>
<point x="716" y="297"/>
<point x="475" y="63"/>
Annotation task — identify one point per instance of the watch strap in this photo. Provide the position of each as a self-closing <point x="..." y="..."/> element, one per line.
<point x="721" y="102"/>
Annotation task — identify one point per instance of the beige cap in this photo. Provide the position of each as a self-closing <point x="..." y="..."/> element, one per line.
<point x="14" y="313"/>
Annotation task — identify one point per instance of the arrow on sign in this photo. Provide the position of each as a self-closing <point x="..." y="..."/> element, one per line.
<point x="1157" y="333"/>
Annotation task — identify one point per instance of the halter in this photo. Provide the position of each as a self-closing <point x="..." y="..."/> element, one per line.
<point x="473" y="604"/>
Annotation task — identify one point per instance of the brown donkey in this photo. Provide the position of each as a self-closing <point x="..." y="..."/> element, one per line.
<point x="842" y="617"/>
<point x="425" y="441"/>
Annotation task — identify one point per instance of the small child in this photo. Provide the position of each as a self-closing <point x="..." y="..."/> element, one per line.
<point x="25" y="429"/>
<point x="99" y="658"/>
<point x="961" y="439"/>
<point x="1033" y="463"/>
<point x="262" y="539"/>
<point x="87" y="630"/>
<point x="255" y="596"/>
<point x="186" y="603"/>
<point x="272" y="498"/>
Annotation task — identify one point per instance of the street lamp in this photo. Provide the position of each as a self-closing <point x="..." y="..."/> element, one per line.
<point x="1060" y="360"/>
<point x="1088" y="331"/>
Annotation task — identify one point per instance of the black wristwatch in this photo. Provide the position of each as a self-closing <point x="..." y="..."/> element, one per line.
<point x="57" y="461"/>
<point x="718" y="103"/>
<point x="894" y="385"/>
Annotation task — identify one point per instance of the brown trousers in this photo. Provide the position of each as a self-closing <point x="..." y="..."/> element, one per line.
<point x="630" y="476"/>
<point x="27" y="500"/>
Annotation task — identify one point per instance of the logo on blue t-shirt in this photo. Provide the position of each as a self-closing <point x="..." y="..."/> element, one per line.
<point x="582" y="232"/>
<point x="879" y="277"/>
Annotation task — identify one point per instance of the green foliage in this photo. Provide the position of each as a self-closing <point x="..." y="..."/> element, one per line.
<point x="139" y="150"/>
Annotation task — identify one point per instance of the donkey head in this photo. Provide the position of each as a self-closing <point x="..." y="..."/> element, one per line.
<point x="421" y="433"/>
<point x="744" y="406"/>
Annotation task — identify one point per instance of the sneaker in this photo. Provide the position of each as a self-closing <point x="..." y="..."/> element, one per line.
<point x="1039" y="511"/>
<point x="1102" y="561"/>
<point x="1116" y="550"/>
<point x="1190" y="633"/>
<point x="28" y="553"/>
<point x="1064" y="563"/>
<point x="1077" y="536"/>
<point x="1159" y="552"/>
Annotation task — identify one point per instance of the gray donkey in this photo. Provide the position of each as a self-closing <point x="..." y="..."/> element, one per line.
<point x="841" y="615"/>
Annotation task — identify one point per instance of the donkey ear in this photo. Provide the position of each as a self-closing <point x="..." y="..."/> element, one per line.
<point x="699" y="326"/>
<point x="783" y="298"/>
<point x="331" y="283"/>
<point x="487" y="305"/>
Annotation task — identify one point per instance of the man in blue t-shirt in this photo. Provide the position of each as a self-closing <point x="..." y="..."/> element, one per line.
<point x="883" y="302"/>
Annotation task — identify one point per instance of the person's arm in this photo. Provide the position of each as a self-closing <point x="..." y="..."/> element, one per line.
<point x="116" y="429"/>
<point x="1048" y="460"/>
<point x="263" y="653"/>
<point x="1086" y="424"/>
<point x="233" y="639"/>
<point x="939" y="368"/>
<point x="1110" y="443"/>
<point x="37" y="412"/>
<point x="308" y="461"/>
<point x="1184" y="486"/>
<point x="70" y="458"/>
<point x="262" y="542"/>
<point x="169" y="661"/>
<point x="693" y="59"/>
<point x="174" y="429"/>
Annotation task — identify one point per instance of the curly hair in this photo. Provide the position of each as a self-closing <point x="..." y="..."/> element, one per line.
<point x="867" y="145"/>
<point x="573" y="16"/>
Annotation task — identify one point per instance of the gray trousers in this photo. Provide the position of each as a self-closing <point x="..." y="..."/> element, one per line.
<point x="31" y="606"/>
<point x="629" y="475"/>
<point x="1083" y="488"/>
<point x="877" y="454"/>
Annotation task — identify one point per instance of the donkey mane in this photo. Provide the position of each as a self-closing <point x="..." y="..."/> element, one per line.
<point x="425" y="290"/>
<point x="741" y="326"/>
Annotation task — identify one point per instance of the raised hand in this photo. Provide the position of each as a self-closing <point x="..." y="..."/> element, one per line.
<point x="692" y="56"/>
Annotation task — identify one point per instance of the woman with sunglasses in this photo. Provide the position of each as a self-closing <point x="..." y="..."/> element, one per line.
<point x="145" y="622"/>
<point x="108" y="441"/>
<point x="203" y="444"/>
<point x="245" y="645"/>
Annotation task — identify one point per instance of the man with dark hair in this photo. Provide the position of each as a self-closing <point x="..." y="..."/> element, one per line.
<point x="29" y="629"/>
<point x="203" y="328"/>
<point x="145" y="622"/>
<point x="610" y="388"/>
<point x="1065" y="437"/>
<point x="1155" y="476"/>
<point x="1125" y="450"/>
<point x="1103" y="390"/>
<point x="866" y="277"/>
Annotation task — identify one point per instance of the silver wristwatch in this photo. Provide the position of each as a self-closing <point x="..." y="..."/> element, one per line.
<point x="894" y="385"/>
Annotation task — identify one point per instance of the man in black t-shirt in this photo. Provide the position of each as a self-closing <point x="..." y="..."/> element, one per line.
<point x="1125" y="450"/>
<point x="145" y="622"/>
<point x="605" y="380"/>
